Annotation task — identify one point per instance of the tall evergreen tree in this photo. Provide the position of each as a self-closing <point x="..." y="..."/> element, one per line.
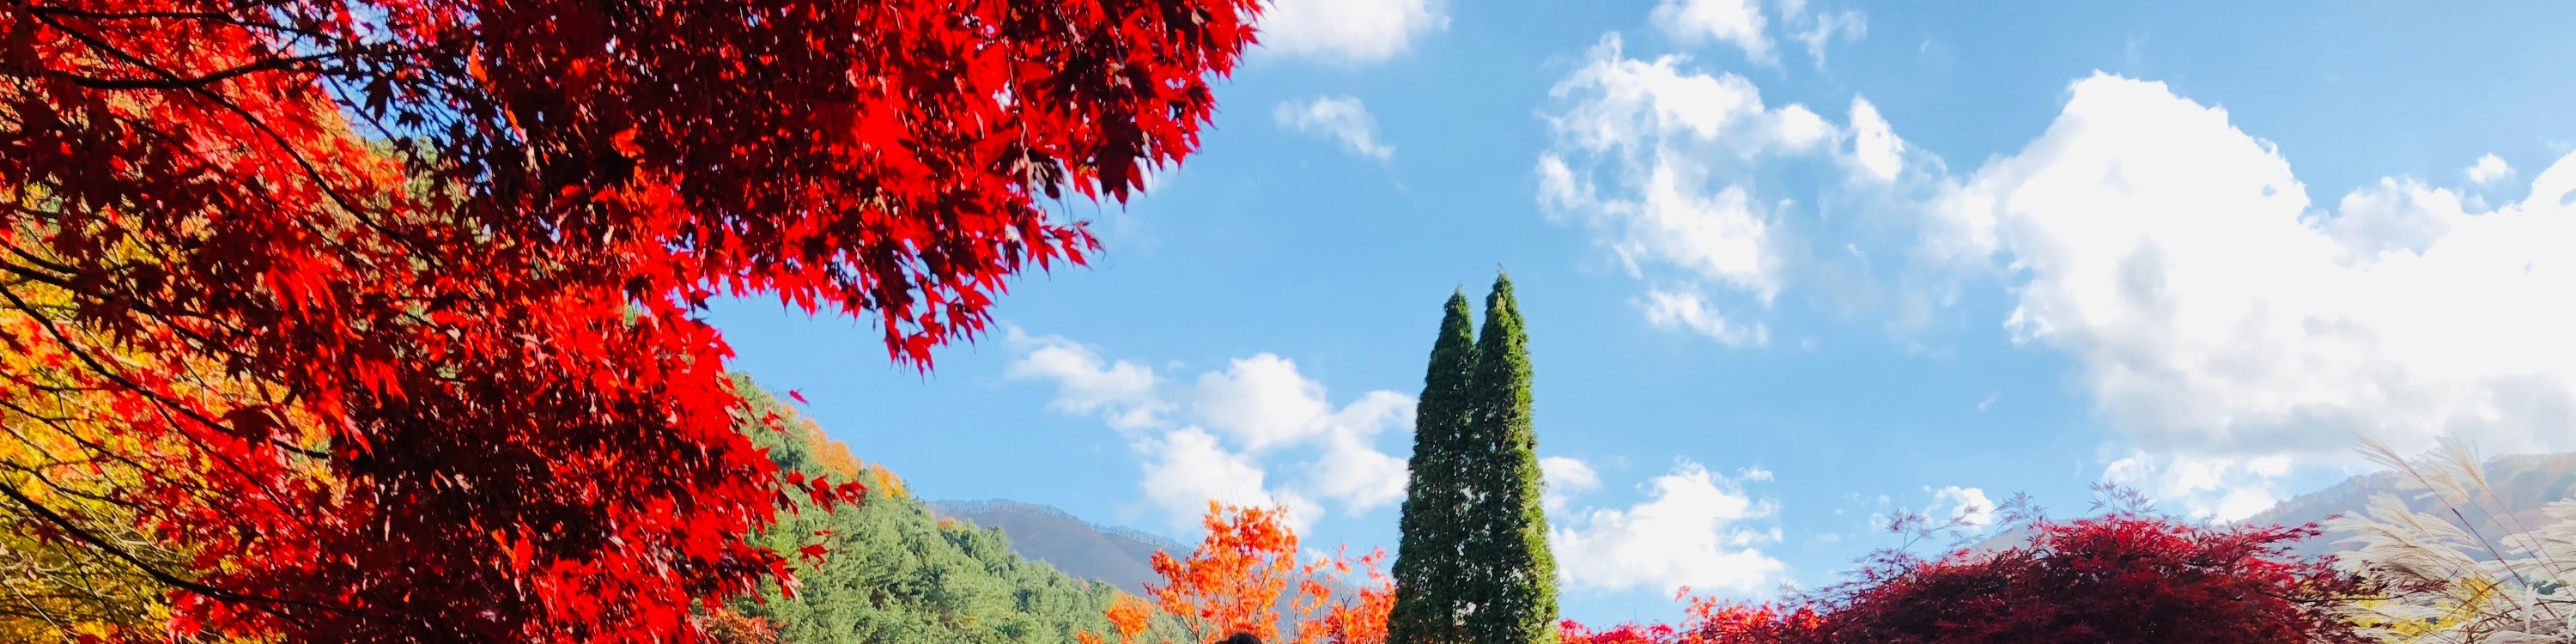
<point x="1428" y="563"/>
<point x="1516" y="597"/>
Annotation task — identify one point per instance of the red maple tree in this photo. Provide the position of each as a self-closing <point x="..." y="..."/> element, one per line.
<point x="412" y="288"/>
<point x="2119" y="578"/>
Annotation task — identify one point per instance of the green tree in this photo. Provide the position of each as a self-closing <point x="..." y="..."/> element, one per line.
<point x="1428" y="564"/>
<point x="1516" y="597"/>
<point x="894" y="574"/>
<point x="1474" y="565"/>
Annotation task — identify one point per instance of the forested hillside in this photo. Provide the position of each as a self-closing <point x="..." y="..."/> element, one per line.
<point x="892" y="572"/>
<point x="1121" y="556"/>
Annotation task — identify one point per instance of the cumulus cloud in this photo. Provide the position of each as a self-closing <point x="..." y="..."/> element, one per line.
<point x="2488" y="169"/>
<point x="1342" y="119"/>
<point x="1123" y="392"/>
<point x="1349" y="467"/>
<point x="1562" y="478"/>
<point x="1668" y="309"/>
<point x="1261" y="402"/>
<point x="1734" y="21"/>
<point x="1874" y="144"/>
<point x="2217" y="488"/>
<point x="1221" y="435"/>
<point x="1661" y="163"/>
<point x="1690" y="532"/>
<point x="1187" y="468"/>
<point x="1966" y="506"/>
<point x="2225" y="323"/>
<point x="1655" y="129"/>
<point x="1347" y="31"/>
<point x="1674" y="219"/>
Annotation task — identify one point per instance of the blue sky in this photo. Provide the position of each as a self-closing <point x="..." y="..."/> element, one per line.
<point x="1787" y="267"/>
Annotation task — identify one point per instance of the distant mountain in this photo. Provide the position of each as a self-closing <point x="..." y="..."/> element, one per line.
<point x="1118" y="555"/>
<point x="2523" y="483"/>
<point x="892" y="572"/>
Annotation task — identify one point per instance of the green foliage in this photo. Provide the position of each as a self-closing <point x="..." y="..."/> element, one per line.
<point x="1510" y="527"/>
<point x="1428" y="602"/>
<point x="894" y="574"/>
<point x="1474" y="564"/>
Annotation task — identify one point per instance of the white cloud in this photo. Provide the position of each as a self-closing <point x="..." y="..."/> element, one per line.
<point x="1341" y="118"/>
<point x="1874" y="143"/>
<point x="1350" y="468"/>
<point x="1564" y="477"/>
<point x="2223" y="320"/>
<point x="2488" y="169"/>
<point x="1262" y="402"/>
<point x="1347" y="31"/>
<point x="1673" y="220"/>
<point x="1688" y="534"/>
<point x="1735" y="21"/>
<point x="1662" y="134"/>
<point x="1668" y="309"/>
<point x="1966" y="505"/>
<point x="2217" y="488"/>
<point x="1122" y="392"/>
<point x="1661" y="163"/>
<point x="1188" y="469"/>
<point x="1257" y="416"/>
<point x="1820" y="29"/>
<point x="2391" y="218"/>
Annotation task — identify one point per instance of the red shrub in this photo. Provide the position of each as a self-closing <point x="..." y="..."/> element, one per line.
<point x="2121" y="578"/>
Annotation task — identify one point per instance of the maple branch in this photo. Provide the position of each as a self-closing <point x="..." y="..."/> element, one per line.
<point x="73" y="528"/>
<point x="223" y="17"/>
<point x="102" y="451"/>
<point x="130" y="385"/>
<point x="162" y="404"/>
<point x="33" y="275"/>
<point x="255" y="189"/>
<point x="41" y="262"/>
<point x="285" y="146"/>
<point x="180" y="83"/>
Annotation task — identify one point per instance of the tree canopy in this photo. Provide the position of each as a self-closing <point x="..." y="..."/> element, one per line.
<point x="394" y="307"/>
<point x="1474" y="564"/>
<point x="2125" y="577"/>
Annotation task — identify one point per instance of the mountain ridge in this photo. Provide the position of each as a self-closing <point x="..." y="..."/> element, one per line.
<point x="2523" y="483"/>
<point x="1118" y="555"/>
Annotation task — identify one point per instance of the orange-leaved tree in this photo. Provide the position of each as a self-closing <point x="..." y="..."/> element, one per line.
<point x="76" y="563"/>
<point x="1246" y="577"/>
<point x="1356" y="617"/>
<point x="451" y="262"/>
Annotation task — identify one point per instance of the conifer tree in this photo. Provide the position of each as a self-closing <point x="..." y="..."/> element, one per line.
<point x="1429" y="568"/>
<point x="1515" y="596"/>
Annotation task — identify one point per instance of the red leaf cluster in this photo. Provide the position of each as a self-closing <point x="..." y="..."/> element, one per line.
<point x="413" y="286"/>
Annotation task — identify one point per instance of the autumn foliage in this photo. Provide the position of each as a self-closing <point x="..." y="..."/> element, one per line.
<point x="2118" y="578"/>
<point x="1246" y="577"/>
<point x="386" y="315"/>
<point x="2123" y="578"/>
